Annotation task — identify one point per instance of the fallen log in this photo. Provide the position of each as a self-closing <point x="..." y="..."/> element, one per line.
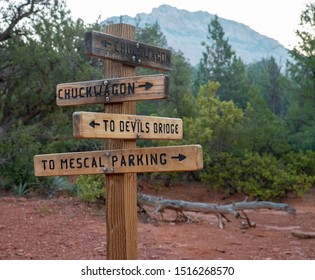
<point x="235" y="209"/>
<point x="303" y="234"/>
<point x="254" y="205"/>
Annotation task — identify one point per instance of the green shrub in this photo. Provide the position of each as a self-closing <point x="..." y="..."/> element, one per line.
<point x="302" y="162"/>
<point x="260" y="176"/>
<point x="21" y="189"/>
<point x="223" y="173"/>
<point x="91" y="187"/>
<point x="17" y="149"/>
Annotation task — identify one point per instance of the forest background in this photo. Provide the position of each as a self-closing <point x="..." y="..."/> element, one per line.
<point x="255" y="122"/>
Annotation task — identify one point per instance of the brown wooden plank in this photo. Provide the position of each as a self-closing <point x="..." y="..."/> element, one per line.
<point x="156" y="159"/>
<point x="120" y="126"/>
<point x="126" y="51"/>
<point x="121" y="189"/>
<point x="148" y="87"/>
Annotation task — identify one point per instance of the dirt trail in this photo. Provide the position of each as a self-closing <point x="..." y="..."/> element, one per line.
<point x="65" y="228"/>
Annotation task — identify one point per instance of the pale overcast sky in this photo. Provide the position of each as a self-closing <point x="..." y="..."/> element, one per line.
<point x="277" y="19"/>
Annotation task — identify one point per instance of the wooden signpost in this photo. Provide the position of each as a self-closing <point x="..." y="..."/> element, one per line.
<point x="118" y="126"/>
<point x="127" y="51"/>
<point x="150" y="87"/>
<point x="120" y="160"/>
<point x="155" y="159"/>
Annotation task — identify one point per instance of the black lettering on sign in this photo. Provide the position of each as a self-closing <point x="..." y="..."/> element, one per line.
<point x="97" y="90"/>
<point x="134" y="126"/>
<point x="59" y="96"/>
<point x="51" y="164"/>
<point x="64" y="163"/>
<point x="67" y="93"/>
<point x="147" y="126"/>
<point x="44" y="164"/>
<point x="81" y="89"/>
<point x="94" y="165"/>
<point x="109" y="125"/>
<point x="153" y="158"/>
<point x="72" y="166"/>
<point x="131" y="88"/>
<point x="143" y="52"/>
<point x="165" y="128"/>
<point x="139" y="160"/>
<point x="131" y="161"/>
<point x="123" y="161"/>
<point x="85" y="163"/>
<point x="77" y="163"/>
<point x="121" y="126"/>
<point x="163" y="160"/>
<point x="88" y="91"/>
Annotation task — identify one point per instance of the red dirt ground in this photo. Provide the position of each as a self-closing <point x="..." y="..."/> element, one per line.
<point x="65" y="228"/>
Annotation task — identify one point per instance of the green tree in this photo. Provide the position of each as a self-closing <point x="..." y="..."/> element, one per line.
<point x="301" y="114"/>
<point x="220" y="64"/>
<point x="151" y="34"/>
<point x="262" y="131"/>
<point x="15" y="17"/>
<point x="219" y="55"/>
<point x="215" y="124"/>
<point x="267" y="78"/>
<point x="178" y="104"/>
<point x="44" y="48"/>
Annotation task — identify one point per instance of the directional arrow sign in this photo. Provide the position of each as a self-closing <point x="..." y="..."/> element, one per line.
<point x="119" y="126"/>
<point x="129" y="52"/>
<point x="180" y="157"/>
<point x="93" y="124"/>
<point x="157" y="159"/>
<point x="147" y="87"/>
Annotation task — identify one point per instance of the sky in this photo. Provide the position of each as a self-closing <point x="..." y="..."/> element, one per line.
<point x="277" y="19"/>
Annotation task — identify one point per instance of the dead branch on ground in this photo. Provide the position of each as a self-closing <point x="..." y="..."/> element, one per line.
<point x="236" y="209"/>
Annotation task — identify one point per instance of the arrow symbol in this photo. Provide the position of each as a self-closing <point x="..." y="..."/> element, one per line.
<point x="93" y="124"/>
<point x="180" y="157"/>
<point x="147" y="85"/>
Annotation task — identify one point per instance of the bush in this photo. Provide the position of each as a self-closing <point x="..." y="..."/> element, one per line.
<point x="260" y="176"/>
<point x="266" y="177"/>
<point x="91" y="187"/>
<point x="223" y="172"/>
<point x="17" y="149"/>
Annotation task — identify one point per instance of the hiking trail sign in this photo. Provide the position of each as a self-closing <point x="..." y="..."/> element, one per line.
<point x="127" y="51"/>
<point x="120" y="126"/>
<point x="121" y="160"/>
<point x="155" y="159"/>
<point x="149" y="87"/>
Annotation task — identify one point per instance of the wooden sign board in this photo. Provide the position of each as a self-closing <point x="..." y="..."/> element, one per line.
<point x="119" y="126"/>
<point x="156" y="159"/>
<point x="126" y="51"/>
<point x="149" y="87"/>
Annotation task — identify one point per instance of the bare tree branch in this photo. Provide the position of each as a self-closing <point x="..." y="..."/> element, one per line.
<point x="234" y="209"/>
<point x="22" y="11"/>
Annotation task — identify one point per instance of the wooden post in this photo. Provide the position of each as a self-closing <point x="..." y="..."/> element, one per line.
<point x="121" y="189"/>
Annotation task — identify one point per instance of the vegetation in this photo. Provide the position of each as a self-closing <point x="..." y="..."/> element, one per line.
<point x="91" y="187"/>
<point x="256" y="123"/>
